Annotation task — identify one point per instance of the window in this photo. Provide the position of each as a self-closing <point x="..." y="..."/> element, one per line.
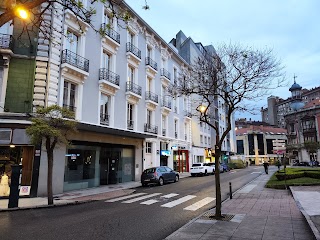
<point x="69" y="93"/>
<point x="148" y="147"/>
<point x="131" y="74"/>
<point x="205" y="140"/>
<point x="149" y="117"/>
<point x="108" y="20"/>
<point x="107" y="60"/>
<point x="149" y="84"/>
<point x="131" y="37"/>
<point x="201" y="139"/>
<point x="175" y="76"/>
<point x="104" y="109"/>
<point x="176" y="128"/>
<point x="164" y="120"/>
<point x="209" y="140"/>
<point x="130" y="116"/>
<point x="149" y="52"/>
<point x="72" y="43"/>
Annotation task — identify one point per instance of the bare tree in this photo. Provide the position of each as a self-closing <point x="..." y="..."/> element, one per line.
<point x="236" y="76"/>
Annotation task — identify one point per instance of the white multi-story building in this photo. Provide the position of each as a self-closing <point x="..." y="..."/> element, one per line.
<point x="117" y="86"/>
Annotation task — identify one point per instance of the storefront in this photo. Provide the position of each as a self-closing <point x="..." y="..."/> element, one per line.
<point x="14" y="150"/>
<point x="181" y="160"/>
<point x="99" y="164"/>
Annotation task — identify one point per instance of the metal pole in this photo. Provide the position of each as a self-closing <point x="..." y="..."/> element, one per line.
<point x="230" y="190"/>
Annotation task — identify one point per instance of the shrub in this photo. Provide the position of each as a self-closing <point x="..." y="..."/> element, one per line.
<point x="237" y="164"/>
<point x="312" y="174"/>
<point x="281" y="176"/>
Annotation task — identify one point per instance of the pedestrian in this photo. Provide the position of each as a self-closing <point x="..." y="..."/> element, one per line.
<point x="266" y="166"/>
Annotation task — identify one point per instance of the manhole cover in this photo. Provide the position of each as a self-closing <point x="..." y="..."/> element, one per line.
<point x="211" y="216"/>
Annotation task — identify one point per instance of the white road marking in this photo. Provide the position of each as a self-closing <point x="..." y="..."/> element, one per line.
<point x="232" y="171"/>
<point x="199" y="204"/>
<point x="141" y="198"/>
<point x="170" y="195"/>
<point x="178" y="201"/>
<point x="255" y="172"/>
<point x="149" y="202"/>
<point x="256" y="168"/>
<point x="125" y="197"/>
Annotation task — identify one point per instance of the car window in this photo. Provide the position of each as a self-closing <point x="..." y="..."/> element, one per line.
<point x="196" y="165"/>
<point x="168" y="169"/>
<point x="149" y="170"/>
<point x="162" y="169"/>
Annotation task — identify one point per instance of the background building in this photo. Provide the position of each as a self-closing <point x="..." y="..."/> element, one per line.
<point x="258" y="142"/>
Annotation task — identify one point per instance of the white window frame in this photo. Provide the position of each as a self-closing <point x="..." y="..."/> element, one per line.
<point x="148" y="147"/>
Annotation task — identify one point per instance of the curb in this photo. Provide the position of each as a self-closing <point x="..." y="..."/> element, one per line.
<point x="196" y="218"/>
<point x="314" y="229"/>
<point x="76" y="202"/>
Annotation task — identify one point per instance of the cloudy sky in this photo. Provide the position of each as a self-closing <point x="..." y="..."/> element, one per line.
<point x="290" y="27"/>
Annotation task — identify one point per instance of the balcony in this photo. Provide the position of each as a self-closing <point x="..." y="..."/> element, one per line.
<point x="134" y="88"/>
<point x="107" y="75"/>
<point x="130" y="124"/>
<point x="150" y="128"/>
<point x="165" y="73"/>
<point x="152" y="66"/>
<point x="75" y="60"/>
<point x="150" y="96"/>
<point x="164" y="132"/>
<point x="111" y="33"/>
<point x="104" y="119"/>
<point x="166" y="102"/>
<point x="6" y="41"/>
<point x="134" y="50"/>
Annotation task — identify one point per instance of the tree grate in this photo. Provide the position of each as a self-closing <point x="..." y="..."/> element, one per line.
<point x="211" y="216"/>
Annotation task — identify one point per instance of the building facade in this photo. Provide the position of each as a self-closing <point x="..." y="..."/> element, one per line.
<point x="258" y="142"/>
<point x="117" y="86"/>
<point x="203" y="136"/>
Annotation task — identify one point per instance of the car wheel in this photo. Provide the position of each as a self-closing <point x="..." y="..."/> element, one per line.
<point x="176" y="179"/>
<point x="205" y="172"/>
<point x="161" y="181"/>
<point x="192" y="175"/>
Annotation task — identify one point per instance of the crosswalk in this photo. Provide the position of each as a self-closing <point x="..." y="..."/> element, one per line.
<point x="149" y="199"/>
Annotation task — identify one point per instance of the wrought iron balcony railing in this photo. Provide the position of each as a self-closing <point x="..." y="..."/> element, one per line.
<point x="165" y="73"/>
<point x="166" y="102"/>
<point x="130" y="124"/>
<point x="134" y="50"/>
<point x="105" y="74"/>
<point x="104" y="119"/>
<point x="110" y="32"/>
<point x="75" y="60"/>
<point x="152" y="96"/>
<point x="163" y="132"/>
<point x="150" y="128"/>
<point x="131" y="87"/>
<point x="6" y="41"/>
<point x="80" y="12"/>
<point x="151" y="63"/>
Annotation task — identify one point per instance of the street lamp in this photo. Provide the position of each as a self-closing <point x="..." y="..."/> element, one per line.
<point x="202" y="108"/>
<point x="22" y="13"/>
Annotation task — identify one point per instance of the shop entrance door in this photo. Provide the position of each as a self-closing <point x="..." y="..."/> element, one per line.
<point x="109" y="165"/>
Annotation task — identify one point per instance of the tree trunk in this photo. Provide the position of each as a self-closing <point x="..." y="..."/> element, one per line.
<point x="217" y="178"/>
<point x="50" y="167"/>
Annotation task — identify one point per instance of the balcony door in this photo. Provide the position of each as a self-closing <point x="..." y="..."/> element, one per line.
<point x="104" y="109"/>
<point x="72" y="45"/>
<point x="69" y="96"/>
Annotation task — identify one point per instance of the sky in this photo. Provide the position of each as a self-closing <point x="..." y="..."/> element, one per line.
<point x="290" y="27"/>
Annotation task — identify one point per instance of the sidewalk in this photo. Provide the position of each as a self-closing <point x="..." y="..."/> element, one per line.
<point x="78" y="196"/>
<point x="256" y="213"/>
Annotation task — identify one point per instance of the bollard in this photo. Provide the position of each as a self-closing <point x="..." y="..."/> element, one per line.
<point x="230" y="190"/>
<point x="14" y="187"/>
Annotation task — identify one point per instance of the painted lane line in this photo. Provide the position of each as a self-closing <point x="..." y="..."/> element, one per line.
<point x="199" y="204"/>
<point x="125" y="197"/>
<point x="141" y="198"/>
<point x="170" y="195"/>
<point x="178" y="201"/>
<point x="255" y="172"/>
<point x="149" y="202"/>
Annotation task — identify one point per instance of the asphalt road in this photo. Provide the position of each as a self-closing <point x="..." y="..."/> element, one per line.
<point x="119" y="220"/>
